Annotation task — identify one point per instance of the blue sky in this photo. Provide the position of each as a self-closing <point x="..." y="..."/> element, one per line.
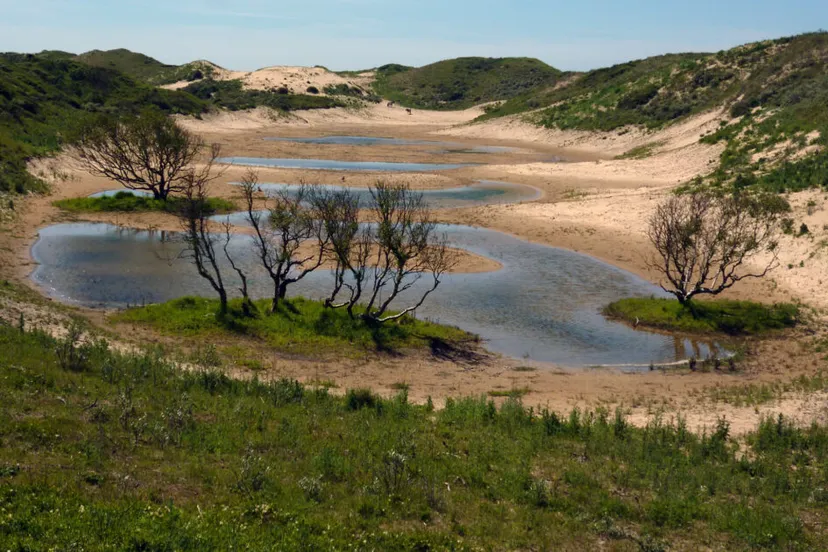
<point x="355" y="34"/>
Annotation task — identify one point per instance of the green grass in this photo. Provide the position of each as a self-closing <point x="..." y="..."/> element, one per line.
<point x="301" y="327"/>
<point x="463" y="82"/>
<point x="510" y="393"/>
<point x="125" y="452"/>
<point x="129" y="203"/>
<point x="716" y="316"/>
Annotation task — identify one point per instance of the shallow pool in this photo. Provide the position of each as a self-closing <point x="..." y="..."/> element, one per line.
<point x="543" y="305"/>
<point x="332" y="165"/>
<point x="445" y="147"/>
<point x="483" y="192"/>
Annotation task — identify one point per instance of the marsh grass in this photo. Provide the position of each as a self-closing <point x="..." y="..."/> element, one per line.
<point x="300" y="326"/>
<point x="718" y="316"/>
<point x="126" y="202"/>
<point x="134" y="454"/>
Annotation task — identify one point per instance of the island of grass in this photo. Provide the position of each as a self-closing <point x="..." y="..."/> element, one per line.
<point x="734" y="318"/>
<point x="299" y="326"/>
<point x="128" y="202"/>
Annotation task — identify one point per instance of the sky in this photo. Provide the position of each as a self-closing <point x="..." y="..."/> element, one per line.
<point x="360" y="34"/>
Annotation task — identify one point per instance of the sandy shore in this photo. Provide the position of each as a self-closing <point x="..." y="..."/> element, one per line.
<point x="592" y="203"/>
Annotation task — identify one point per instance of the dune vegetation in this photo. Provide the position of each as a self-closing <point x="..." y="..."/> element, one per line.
<point x="129" y="451"/>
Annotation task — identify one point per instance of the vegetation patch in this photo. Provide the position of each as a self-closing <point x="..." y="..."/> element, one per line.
<point x="128" y="452"/>
<point x="129" y="203"/>
<point x="719" y="316"/>
<point x="641" y="152"/>
<point x="43" y="97"/>
<point x="232" y="95"/>
<point x="463" y="82"/>
<point x="300" y="326"/>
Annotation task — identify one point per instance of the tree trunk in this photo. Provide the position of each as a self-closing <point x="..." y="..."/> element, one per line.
<point x="222" y="302"/>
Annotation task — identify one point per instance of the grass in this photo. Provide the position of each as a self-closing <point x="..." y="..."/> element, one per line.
<point x="300" y="326"/>
<point x="124" y="451"/>
<point x="718" y="316"/>
<point x="129" y="203"/>
<point x="510" y="393"/>
<point x="641" y="152"/>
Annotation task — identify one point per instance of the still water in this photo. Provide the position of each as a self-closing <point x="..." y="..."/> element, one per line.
<point x="543" y="305"/>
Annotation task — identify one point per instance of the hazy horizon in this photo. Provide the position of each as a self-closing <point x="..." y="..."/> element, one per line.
<point x="361" y="34"/>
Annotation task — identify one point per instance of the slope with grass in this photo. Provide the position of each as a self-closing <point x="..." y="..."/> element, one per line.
<point x="775" y="92"/>
<point x="42" y="98"/>
<point x="129" y="452"/>
<point x="463" y="82"/>
<point x="144" y="68"/>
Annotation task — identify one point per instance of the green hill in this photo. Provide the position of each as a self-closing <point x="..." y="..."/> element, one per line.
<point x="776" y="92"/>
<point x="41" y="97"/>
<point x="463" y="82"/>
<point x="144" y="68"/>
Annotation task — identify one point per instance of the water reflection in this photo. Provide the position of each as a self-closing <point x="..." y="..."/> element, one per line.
<point x="544" y="304"/>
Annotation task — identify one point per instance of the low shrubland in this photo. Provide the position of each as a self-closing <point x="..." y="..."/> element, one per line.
<point x="128" y="452"/>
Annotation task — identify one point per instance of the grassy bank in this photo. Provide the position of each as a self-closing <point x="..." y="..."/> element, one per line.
<point x="129" y="453"/>
<point x="300" y="326"/>
<point x="720" y="316"/>
<point x="129" y="203"/>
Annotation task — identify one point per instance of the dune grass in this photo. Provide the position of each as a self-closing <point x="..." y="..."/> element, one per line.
<point x="720" y="316"/>
<point x="127" y="452"/>
<point x="300" y="326"/>
<point x="126" y="202"/>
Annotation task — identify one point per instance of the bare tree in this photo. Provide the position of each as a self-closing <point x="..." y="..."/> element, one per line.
<point x="381" y="261"/>
<point x="704" y="243"/>
<point x="194" y="215"/>
<point x="149" y="152"/>
<point x="349" y="244"/>
<point x="280" y="231"/>
<point x="248" y="307"/>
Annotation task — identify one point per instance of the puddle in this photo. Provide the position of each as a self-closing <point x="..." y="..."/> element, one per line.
<point x="544" y="305"/>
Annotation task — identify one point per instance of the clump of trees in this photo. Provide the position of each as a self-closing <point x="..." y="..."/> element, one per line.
<point x="148" y="152"/>
<point x="706" y="243"/>
<point x="294" y="233"/>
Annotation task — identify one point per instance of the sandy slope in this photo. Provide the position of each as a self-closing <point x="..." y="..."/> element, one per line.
<point x="295" y="79"/>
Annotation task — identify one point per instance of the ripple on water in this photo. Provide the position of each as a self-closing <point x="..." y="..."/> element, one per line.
<point x="543" y="305"/>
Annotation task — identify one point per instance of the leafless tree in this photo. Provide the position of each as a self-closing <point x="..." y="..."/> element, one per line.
<point x="704" y="243"/>
<point x="280" y="231"/>
<point x="194" y="215"/>
<point x="248" y="307"/>
<point x="149" y="152"/>
<point x="349" y="244"/>
<point x="389" y="257"/>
